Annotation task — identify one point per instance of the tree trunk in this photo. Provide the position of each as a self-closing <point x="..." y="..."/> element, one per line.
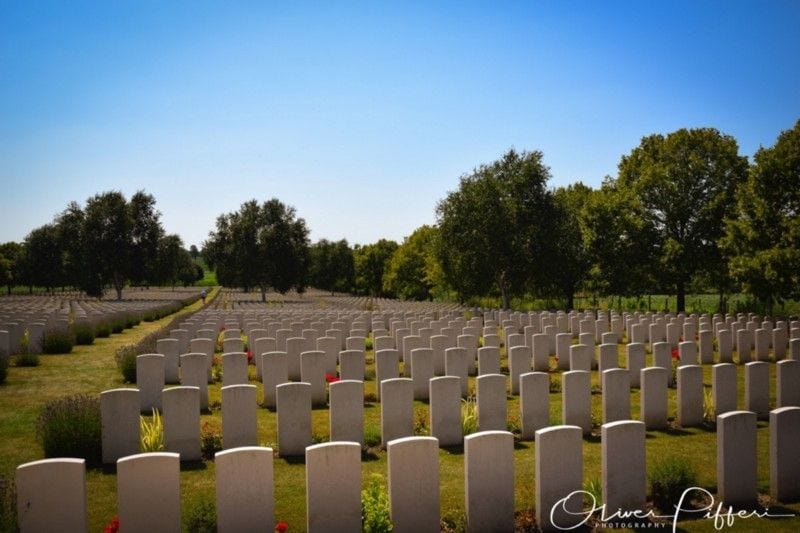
<point x="681" y="286"/>
<point x="570" y="300"/>
<point x="504" y="296"/>
<point x="119" y="292"/>
<point x="263" y="294"/>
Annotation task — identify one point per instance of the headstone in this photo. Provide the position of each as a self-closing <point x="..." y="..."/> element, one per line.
<point x="616" y="395"/>
<point x="470" y="343"/>
<point x="51" y="496"/>
<point x="690" y="395"/>
<point x="779" y="343"/>
<point x="706" y="338"/>
<point x="275" y="367"/>
<point x="576" y="399"/>
<point x="333" y="487"/>
<point x="413" y="466"/>
<point x="519" y="362"/>
<point x="762" y="339"/>
<point x="563" y="343"/>
<point x="784" y="461"/>
<point x="347" y="411"/>
<point x="744" y="341"/>
<point x="445" y="410"/>
<point x="653" y="407"/>
<point x="261" y="346"/>
<point x="687" y="351"/>
<point x="293" y="402"/>
<point x="421" y="375"/>
<point x="239" y="425"/>
<point x="534" y="403"/>
<point x="205" y="347"/>
<point x="559" y="478"/>
<point x="623" y="465"/>
<point x="193" y="374"/>
<point x="232" y="345"/>
<point x="723" y="385"/>
<point x="245" y="498"/>
<point x="636" y="357"/>
<point x="438" y="344"/>
<point x="234" y="369"/>
<point x="787" y="383"/>
<point x="541" y="353"/>
<point x="397" y="409"/>
<point x="312" y="371"/>
<point x="491" y="400"/>
<point x="150" y="381"/>
<point x="387" y="366"/>
<point x="489" y="481"/>
<point x="119" y="420"/>
<point x="488" y="360"/>
<point x="756" y="388"/>
<point x="455" y="364"/>
<point x="352" y="365"/>
<point x="736" y="458"/>
<point x="182" y="422"/>
<point x="580" y="357"/>
<point x="169" y="349"/>
<point x="725" y="346"/>
<point x="149" y="492"/>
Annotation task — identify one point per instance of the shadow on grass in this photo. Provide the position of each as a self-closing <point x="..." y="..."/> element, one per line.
<point x="192" y="466"/>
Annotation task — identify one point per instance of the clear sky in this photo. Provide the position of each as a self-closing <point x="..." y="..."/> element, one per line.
<point x="363" y="115"/>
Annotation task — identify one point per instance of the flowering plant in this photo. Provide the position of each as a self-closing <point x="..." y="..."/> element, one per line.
<point x="331" y="378"/>
<point x="113" y="526"/>
<point x="281" y="526"/>
<point x="250" y="357"/>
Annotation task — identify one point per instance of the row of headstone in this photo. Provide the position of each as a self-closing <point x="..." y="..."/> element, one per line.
<point x="51" y="494"/>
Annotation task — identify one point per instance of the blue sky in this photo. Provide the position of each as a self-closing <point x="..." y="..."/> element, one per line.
<point x="363" y="115"/>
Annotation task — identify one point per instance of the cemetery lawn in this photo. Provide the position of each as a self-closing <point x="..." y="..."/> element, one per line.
<point x="91" y="369"/>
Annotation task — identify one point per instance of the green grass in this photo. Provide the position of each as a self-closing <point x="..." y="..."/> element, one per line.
<point x="91" y="369"/>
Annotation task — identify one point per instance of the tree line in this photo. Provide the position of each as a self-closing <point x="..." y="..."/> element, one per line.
<point x="685" y="212"/>
<point x="110" y="242"/>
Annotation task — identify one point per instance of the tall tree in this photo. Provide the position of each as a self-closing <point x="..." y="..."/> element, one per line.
<point x="565" y="247"/>
<point x="763" y="235"/>
<point x="685" y="183"/>
<point x="70" y="235"/>
<point x="11" y="274"/>
<point x="146" y="231"/>
<point x="107" y="243"/>
<point x="412" y="269"/>
<point x="43" y="257"/>
<point x="332" y="267"/>
<point x="371" y="262"/>
<point x="260" y="246"/>
<point x="619" y="242"/>
<point x="492" y="227"/>
<point x="168" y="264"/>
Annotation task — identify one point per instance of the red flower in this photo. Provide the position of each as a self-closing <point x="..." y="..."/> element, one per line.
<point x="281" y="526"/>
<point x="249" y="357"/>
<point x="113" y="526"/>
<point x="331" y="378"/>
<point x="675" y="354"/>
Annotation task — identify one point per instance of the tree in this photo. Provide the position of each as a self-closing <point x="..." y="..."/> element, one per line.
<point x="685" y="184"/>
<point x="11" y="270"/>
<point x="170" y="255"/>
<point x="107" y="243"/>
<point x="412" y="269"/>
<point x="194" y="252"/>
<point x="70" y="236"/>
<point x="43" y="257"/>
<point x="145" y="234"/>
<point x="763" y="235"/>
<point x="260" y="246"/>
<point x="371" y="261"/>
<point x="568" y="260"/>
<point x="492" y="227"/>
<point x="332" y="267"/>
<point x="619" y="242"/>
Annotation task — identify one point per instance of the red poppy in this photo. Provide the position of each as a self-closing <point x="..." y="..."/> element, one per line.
<point x="675" y="354"/>
<point x="113" y="526"/>
<point x="281" y="526"/>
<point x="331" y="378"/>
<point x="249" y="357"/>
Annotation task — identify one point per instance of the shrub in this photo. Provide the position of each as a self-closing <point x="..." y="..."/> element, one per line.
<point x="70" y="427"/>
<point x="555" y="383"/>
<point x="103" y="330"/>
<point x="151" y="433"/>
<point x="84" y="334"/>
<point x="201" y="515"/>
<point x="210" y="439"/>
<point x="469" y="416"/>
<point x="3" y="368"/>
<point x="58" y="342"/>
<point x="669" y="477"/>
<point x="126" y="362"/>
<point x="26" y="359"/>
<point x="375" y="516"/>
<point x="117" y="326"/>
